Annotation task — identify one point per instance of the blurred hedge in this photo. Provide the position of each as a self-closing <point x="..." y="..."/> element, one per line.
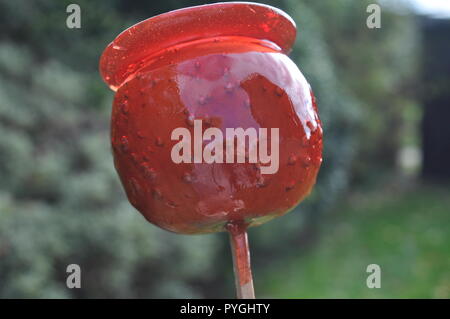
<point x="60" y="199"/>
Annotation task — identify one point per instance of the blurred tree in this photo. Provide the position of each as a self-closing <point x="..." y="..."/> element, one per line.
<point x="60" y="199"/>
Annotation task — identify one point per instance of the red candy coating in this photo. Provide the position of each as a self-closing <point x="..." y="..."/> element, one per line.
<point x="224" y="64"/>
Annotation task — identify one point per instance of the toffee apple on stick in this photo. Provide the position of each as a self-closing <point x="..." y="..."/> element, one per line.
<point x="224" y="68"/>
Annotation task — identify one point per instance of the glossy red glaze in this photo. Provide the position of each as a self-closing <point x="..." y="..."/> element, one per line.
<point x="148" y="40"/>
<point x="229" y="72"/>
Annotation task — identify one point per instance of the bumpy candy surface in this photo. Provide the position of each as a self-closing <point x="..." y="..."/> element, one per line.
<point x="222" y="66"/>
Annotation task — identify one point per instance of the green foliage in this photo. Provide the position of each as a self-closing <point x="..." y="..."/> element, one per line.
<point x="60" y="198"/>
<point x="406" y="235"/>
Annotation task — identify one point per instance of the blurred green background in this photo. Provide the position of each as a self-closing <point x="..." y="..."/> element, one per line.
<point x="61" y="201"/>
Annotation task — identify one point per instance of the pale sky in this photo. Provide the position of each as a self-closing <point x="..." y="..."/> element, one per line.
<point x="438" y="8"/>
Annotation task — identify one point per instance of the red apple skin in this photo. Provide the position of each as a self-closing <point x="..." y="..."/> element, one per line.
<point x="226" y="83"/>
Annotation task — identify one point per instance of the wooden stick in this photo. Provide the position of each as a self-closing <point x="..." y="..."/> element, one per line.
<point x="241" y="260"/>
